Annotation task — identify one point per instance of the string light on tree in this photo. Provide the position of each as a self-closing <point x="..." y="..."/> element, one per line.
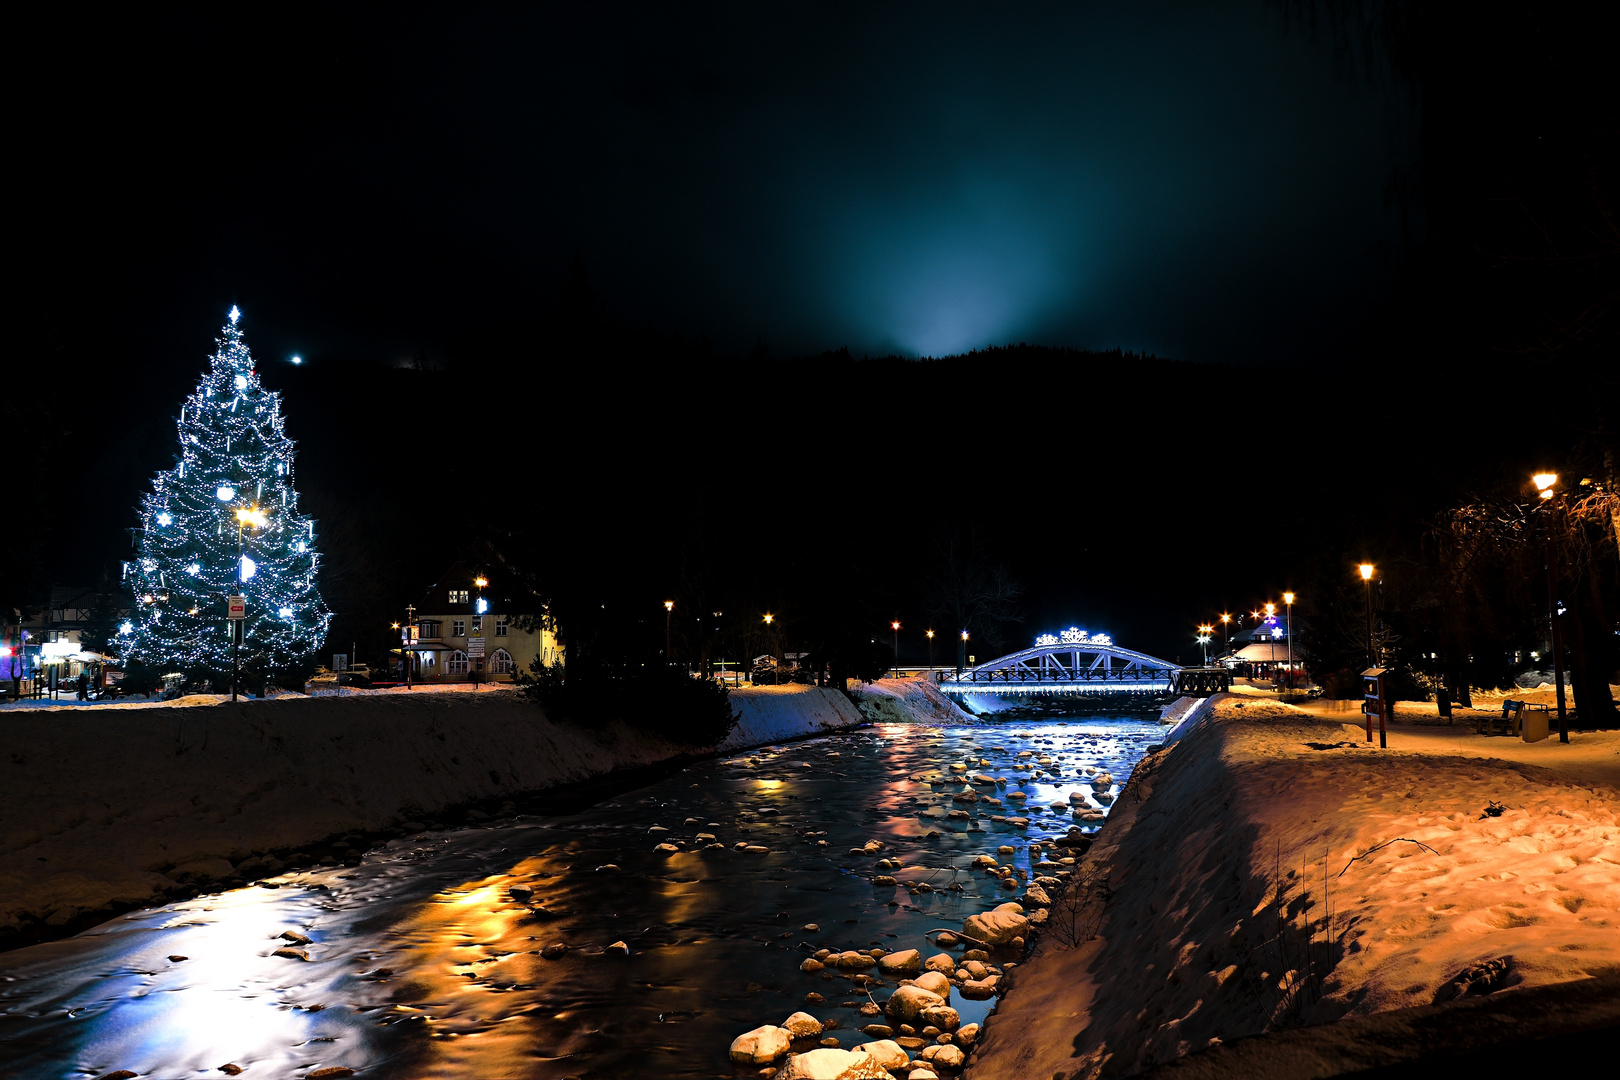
<point x="224" y="521"/>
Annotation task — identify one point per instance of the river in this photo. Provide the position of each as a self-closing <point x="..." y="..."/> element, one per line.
<point x="420" y="961"/>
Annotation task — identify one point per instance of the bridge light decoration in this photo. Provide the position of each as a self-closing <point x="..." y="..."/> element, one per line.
<point x="1073" y="636"/>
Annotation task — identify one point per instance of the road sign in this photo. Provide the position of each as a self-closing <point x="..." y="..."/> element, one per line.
<point x="340" y="661"/>
<point x="237" y="606"/>
<point x="475" y="647"/>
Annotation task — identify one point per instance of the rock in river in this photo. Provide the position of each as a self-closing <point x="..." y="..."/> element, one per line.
<point x="907" y="1002"/>
<point x="761" y="1046"/>
<point x="802" y="1025"/>
<point x="905" y="962"/>
<point x="935" y="983"/>
<point x="997" y="927"/>
<point x="885" y="1052"/>
<point x="832" y="1064"/>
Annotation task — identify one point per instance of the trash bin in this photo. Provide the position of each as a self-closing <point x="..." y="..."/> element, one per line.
<point x="1532" y="724"/>
<point x="1443" y="699"/>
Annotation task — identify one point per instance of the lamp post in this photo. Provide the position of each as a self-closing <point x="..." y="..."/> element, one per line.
<point x="244" y="517"/>
<point x="1226" y="633"/>
<point x="669" y="613"/>
<point x="1204" y="631"/>
<point x="961" y="654"/>
<point x="895" y="626"/>
<point x="1366" y="570"/>
<point x="1288" y="599"/>
<point x="1271" y="613"/>
<point x="1545" y="483"/>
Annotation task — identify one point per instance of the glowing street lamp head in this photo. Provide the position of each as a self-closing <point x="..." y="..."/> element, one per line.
<point x="669" y="605"/>
<point x="964" y="635"/>
<point x="1544" y="482"/>
<point x="1226" y="618"/>
<point x="769" y="618"/>
<point x="894" y="625"/>
<point x="1366" y="571"/>
<point x="1288" y="598"/>
<point x="930" y="633"/>
<point x="1271" y="609"/>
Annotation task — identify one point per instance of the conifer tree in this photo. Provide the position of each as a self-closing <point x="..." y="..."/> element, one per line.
<point x="224" y="521"/>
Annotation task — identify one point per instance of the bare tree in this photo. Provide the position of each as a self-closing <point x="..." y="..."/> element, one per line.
<point x="970" y="592"/>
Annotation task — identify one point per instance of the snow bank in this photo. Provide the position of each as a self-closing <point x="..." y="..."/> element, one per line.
<point x="908" y="701"/>
<point x="110" y="807"/>
<point x="1271" y="842"/>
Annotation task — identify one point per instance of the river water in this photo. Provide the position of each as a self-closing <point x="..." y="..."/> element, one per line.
<point x="421" y="963"/>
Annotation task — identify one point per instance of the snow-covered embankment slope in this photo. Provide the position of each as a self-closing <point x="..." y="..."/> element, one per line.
<point x="908" y="701"/>
<point x="101" y="806"/>
<point x="1271" y="870"/>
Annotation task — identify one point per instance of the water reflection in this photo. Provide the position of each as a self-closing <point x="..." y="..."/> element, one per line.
<point x="423" y="962"/>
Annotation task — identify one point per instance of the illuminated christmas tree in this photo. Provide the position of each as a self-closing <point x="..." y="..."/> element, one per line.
<point x="224" y="521"/>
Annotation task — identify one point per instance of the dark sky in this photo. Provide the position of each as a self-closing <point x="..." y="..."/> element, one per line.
<point x="1193" y="180"/>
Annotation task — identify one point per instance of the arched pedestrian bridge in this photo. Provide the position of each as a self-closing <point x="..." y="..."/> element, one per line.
<point x="1072" y="662"/>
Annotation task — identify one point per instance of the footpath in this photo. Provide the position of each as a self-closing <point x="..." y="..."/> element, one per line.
<point x="106" y="808"/>
<point x="1278" y="897"/>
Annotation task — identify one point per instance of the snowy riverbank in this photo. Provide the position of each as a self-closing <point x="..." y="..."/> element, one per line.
<point x="109" y="808"/>
<point x="908" y="701"/>
<point x="1271" y="870"/>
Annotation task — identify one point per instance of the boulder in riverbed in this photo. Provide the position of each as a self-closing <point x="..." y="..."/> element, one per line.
<point x="905" y="962"/>
<point x="997" y="927"/>
<point x="934" y="982"/>
<point x="907" y="1002"/>
<point x="885" y="1052"/>
<point x="761" y="1046"/>
<point x="833" y="1064"/>
<point x="802" y="1025"/>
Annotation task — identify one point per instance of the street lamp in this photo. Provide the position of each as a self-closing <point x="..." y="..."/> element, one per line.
<point x="245" y="568"/>
<point x="1204" y="632"/>
<point x="1545" y="482"/>
<point x="669" y="613"/>
<point x="1271" y="613"/>
<point x="1366" y="570"/>
<point x="930" y="654"/>
<point x="961" y="654"/>
<point x="1288" y="598"/>
<point x="895" y="626"/>
<point x="1226" y="633"/>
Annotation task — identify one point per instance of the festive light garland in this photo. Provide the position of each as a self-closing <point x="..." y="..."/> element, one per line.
<point x="233" y="483"/>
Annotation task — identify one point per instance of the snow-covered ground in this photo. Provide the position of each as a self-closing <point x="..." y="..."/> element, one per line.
<point x="1272" y="869"/>
<point x="908" y="701"/>
<point x="119" y="804"/>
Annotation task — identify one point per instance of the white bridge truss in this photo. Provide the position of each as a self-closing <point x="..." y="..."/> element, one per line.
<point x="1084" y="666"/>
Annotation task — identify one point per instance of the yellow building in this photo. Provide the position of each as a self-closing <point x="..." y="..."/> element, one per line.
<point x="468" y="624"/>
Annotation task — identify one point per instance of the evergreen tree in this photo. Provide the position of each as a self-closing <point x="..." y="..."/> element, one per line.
<point x="225" y="521"/>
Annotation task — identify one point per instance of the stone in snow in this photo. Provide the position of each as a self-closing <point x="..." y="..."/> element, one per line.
<point x="667" y="849"/>
<point x="554" y="950"/>
<point x="331" y="1072"/>
<point x="833" y="1064"/>
<point x="291" y="954"/>
<point x="761" y="1046"/>
<point x="296" y="938"/>
<point x="802" y="1025"/>
<point x="521" y="893"/>
<point x="177" y="958"/>
<point x="618" y="948"/>
<point x="811" y="928"/>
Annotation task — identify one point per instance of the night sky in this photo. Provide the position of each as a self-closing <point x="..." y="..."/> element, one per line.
<point x="1197" y="180"/>
<point x="749" y="188"/>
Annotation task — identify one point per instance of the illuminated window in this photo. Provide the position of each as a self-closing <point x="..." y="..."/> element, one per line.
<point x="458" y="596"/>
<point x="457" y="664"/>
<point x="458" y="628"/>
<point x="501" y="663"/>
<point x="500" y="626"/>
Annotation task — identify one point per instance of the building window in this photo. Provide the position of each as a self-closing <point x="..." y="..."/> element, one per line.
<point x="458" y="596"/>
<point x="429" y="628"/>
<point x="458" y="628"/>
<point x="501" y="663"/>
<point x="457" y="664"/>
<point x="500" y="626"/>
<point x="478" y="624"/>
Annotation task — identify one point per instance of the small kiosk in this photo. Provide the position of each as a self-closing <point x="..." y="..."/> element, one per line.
<point x="1376" y="700"/>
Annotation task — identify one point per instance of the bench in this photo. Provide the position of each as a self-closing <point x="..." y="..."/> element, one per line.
<point x="1512" y="715"/>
